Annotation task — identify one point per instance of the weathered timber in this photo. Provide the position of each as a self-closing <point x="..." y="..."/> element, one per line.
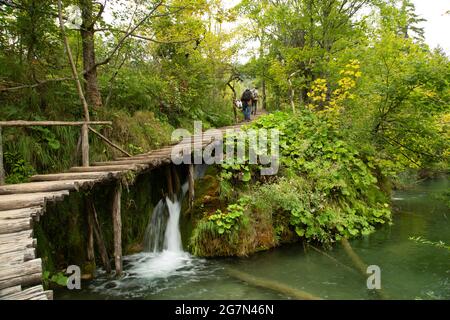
<point x="152" y="163"/>
<point x="16" y="225"/>
<point x="176" y="179"/>
<point x="170" y="191"/>
<point x="24" y="274"/>
<point x="19" y="213"/>
<point x="125" y="167"/>
<point x="2" y="168"/>
<point x="90" y="232"/>
<point x="49" y="294"/>
<point x="28" y="294"/>
<point x="117" y="227"/>
<point x="109" y="142"/>
<point x="76" y="176"/>
<point x="191" y="181"/>
<point x="19" y="245"/>
<point x="99" y="235"/>
<point x="47" y="186"/>
<point x="27" y="200"/>
<point x="16" y="235"/>
<point x="17" y="257"/>
<point x="360" y="265"/>
<point x="9" y="291"/>
<point x="272" y="285"/>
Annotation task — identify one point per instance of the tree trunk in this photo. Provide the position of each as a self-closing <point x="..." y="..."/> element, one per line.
<point x="93" y="95"/>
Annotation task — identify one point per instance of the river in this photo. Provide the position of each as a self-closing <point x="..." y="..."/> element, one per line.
<point x="409" y="270"/>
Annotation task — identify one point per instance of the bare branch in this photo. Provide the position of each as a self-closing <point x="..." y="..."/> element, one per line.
<point x="35" y="85"/>
<point x="127" y="35"/>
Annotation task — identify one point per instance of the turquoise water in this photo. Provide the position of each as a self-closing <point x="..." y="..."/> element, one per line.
<point x="409" y="270"/>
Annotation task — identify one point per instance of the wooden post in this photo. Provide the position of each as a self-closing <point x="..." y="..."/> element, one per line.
<point x="191" y="178"/>
<point x="117" y="226"/>
<point x="98" y="235"/>
<point x="2" y="168"/>
<point x="176" y="180"/>
<point x="169" y="182"/>
<point x="90" y="231"/>
<point x="85" y="145"/>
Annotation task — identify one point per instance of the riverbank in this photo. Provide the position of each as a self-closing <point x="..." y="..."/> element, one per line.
<point x="409" y="270"/>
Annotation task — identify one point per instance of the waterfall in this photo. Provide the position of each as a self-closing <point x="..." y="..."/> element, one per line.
<point x="172" y="237"/>
<point x="163" y="231"/>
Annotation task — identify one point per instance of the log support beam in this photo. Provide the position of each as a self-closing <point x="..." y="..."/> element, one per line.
<point x="117" y="226"/>
<point x="191" y="177"/>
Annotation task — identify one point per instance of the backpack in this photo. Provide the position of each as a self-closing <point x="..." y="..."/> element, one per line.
<point x="247" y="95"/>
<point x="255" y="94"/>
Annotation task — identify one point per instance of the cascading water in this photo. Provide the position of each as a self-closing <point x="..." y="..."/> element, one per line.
<point x="172" y="237"/>
<point x="163" y="231"/>
<point x="164" y="256"/>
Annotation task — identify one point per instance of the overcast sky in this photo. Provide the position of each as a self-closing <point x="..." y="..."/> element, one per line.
<point x="437" y="28"/>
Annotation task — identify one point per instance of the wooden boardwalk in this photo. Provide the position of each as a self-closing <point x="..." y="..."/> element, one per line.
<point x="23" y="204"/>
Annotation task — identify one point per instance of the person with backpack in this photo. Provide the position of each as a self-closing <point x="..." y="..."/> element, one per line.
<point x="247" y="101"/>
<point x="255" y="99"/>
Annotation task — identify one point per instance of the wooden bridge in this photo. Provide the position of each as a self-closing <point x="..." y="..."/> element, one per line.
<point x="22" y="204"/>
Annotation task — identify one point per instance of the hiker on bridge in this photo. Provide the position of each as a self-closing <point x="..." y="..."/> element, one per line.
<point x="255" y="99"/>
<point x="247" y="102"/>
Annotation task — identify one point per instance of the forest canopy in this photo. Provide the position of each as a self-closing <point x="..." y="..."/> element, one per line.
<point x="152" y="66"/>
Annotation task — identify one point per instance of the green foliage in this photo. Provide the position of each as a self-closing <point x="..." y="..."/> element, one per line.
<point x="229" y="221"/>
<point x="16" y="168"/>
<point x="58" y="278"/>
<point x="330" y="189"/>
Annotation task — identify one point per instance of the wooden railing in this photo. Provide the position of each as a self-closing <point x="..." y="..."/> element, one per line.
<point x="85" y="128"/>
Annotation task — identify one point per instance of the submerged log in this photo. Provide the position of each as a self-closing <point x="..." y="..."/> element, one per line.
<point x="360" y="265"/>
<point x="271" y="285"/>
<point x="117" y="226"/>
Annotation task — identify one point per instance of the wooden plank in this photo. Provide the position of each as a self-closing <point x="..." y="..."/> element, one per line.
<point x="17" y="257"/>
<point x="150" y="162"/>
<point x="9" y="291"/>
<point x="117" y="227"/>
<point x="22" y="243"/>
<point x="27" y="200"/>
<point x="121" y="168"/>
<point x="76" y="176"/>
<point x="22" y="295"/>
<point x="16" y="235"/>
<point x="19" y="213"/>
<point x="28" y="273"/>
<point x="46" y="186"/>
<point x="21" y="123"/>
<point x="16" y="225"/>
<point x="49" y="294"/>
<point x="2" y="168"/>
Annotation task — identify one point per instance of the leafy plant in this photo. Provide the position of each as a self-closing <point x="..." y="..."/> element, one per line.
<point x="58" y="278"/>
